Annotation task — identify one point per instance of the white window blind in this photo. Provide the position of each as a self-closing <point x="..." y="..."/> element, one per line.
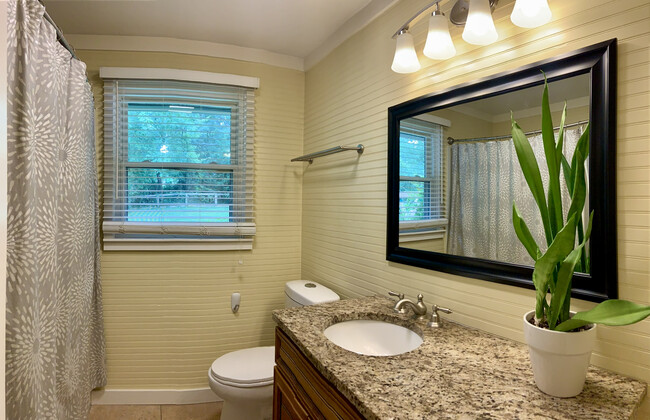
<point x="178" y="166"/>
<point x="422" y="196"/>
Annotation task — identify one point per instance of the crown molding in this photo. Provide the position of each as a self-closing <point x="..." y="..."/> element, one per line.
<point x="183" y="46"/>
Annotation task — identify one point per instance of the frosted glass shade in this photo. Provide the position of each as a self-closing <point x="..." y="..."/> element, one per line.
<point x="439" y="45"/>
<point x="405" y="60"/>
<point x="531" y="13"/>
<point x="479" y="28"/>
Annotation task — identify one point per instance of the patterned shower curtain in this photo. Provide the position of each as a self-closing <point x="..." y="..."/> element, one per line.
<point x="485" y="179"/>
<point x="55" y="344"/>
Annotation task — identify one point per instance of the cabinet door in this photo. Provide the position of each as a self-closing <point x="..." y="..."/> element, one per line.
<point x="286" y="405"/>
<point x="319" y="398"/>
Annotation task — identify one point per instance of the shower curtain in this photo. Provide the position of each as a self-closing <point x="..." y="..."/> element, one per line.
<point x="485" y="179"/>
<point x="54" y="342"/>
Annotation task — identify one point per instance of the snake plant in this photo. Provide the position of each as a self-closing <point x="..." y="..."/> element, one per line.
<point x="566" y="237"/>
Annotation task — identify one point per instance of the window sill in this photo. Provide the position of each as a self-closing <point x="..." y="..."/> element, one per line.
<point x="425" y="235"/>
<point x="423" y="224"/>
<point x="131" y="236"/>
<point x="177" y="244"/>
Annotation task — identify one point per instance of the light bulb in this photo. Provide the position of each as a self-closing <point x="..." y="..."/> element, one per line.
<point x="479" y="29"/>
<point x="439" y="45"/>
<point x="405" y="60"/>
<point x="531" y="13"/>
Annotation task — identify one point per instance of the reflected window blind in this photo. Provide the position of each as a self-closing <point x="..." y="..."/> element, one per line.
<point x="178" y="162"/>
<point x="422" y="193"/>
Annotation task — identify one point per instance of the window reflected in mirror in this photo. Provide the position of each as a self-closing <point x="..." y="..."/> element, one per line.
<point x="422" y="195"/>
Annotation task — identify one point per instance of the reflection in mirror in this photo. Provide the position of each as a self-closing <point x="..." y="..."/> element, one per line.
<point x="459" y="174"/>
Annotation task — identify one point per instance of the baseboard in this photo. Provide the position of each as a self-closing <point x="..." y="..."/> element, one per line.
<point x="153" y="396"/>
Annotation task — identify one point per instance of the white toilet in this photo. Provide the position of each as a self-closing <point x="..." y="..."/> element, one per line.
<point x="244" y="378"/>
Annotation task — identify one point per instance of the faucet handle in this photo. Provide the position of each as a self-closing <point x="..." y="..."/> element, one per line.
<point x="436" y="321"/>
<point x="436" y="308"/>
<point x="398" y="295"/>
<point x="420" y="298"/>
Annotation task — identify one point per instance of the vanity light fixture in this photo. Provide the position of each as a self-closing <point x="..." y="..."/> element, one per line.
<point x="479" y="28"/>
<point x="439" y="45"/>
<point x="531" y="13"/>
<point x="406" y="59"/>
<point x="475" y="15"/>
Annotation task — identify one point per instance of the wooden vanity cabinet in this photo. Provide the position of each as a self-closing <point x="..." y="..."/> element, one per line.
<point x="300" y="391"/>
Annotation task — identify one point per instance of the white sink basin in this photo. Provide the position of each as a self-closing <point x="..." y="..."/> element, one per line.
<point x="373" y="338"/>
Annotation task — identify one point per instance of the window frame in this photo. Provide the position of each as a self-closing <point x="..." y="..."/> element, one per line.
<point x="121" y="234"/>
<point x="431" y="227"/>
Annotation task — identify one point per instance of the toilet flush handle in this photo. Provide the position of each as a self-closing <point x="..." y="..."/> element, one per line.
<point x="235" y="299"/>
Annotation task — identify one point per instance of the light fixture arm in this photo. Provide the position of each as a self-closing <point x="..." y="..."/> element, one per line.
<point x="405" y="27"/>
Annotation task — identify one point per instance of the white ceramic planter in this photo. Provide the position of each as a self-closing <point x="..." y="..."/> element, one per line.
<point x="560" y="359"/>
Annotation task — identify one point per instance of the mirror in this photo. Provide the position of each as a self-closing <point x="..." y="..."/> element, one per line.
<point x="453" y="173"/>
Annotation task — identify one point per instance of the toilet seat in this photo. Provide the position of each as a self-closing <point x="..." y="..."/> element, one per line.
<point x="247" y="368"/>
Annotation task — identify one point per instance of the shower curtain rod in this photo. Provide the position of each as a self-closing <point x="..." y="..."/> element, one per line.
<point x="452" y="140"/>
<point x="59" y="33"/>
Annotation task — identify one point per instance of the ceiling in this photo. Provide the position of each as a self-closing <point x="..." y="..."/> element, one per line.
<point x="574" y="90"/>
<point x="291" y="27"/>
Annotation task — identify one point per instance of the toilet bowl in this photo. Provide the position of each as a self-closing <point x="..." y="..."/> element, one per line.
<point x="244" y="378"/>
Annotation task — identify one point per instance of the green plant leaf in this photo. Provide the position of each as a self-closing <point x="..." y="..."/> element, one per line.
<point x="553" y="163"/>
<point x="582" y="146"/>
<point x="582" y="264"/>
<point x="571" y="324"/>
<point x="562" y="288"/>
<point x="562" y="295"/>
<point x="579" y="187"/>
<point x="524" y="235"/>
<point x="614" y="312"/>
<point x="545" y="266"/>
<point x="589" y="224"/>
<point x="568" y="175"/>
<point x="560" y="138"/>
<point x="529" y="167"/>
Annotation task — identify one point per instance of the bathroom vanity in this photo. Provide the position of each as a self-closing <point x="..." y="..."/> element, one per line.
<point x="300" y="391"/>
<point x="457" y="372"/>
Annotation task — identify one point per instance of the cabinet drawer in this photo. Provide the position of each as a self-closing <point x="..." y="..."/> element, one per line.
<point x="322" y="395"/>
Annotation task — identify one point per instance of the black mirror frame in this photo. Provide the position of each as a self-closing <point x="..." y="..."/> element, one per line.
<point x="599" y="61"/>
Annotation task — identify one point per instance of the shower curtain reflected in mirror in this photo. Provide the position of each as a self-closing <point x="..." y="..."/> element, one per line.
<point x="54" y="343"/>
<point x="485" y="179"/>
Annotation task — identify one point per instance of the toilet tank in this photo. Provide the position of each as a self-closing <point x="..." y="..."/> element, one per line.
<point x="305" y="292"/>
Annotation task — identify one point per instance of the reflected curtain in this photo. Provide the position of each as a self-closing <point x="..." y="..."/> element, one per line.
<point x="485" y="179"/>
<point x="54" y="342"/>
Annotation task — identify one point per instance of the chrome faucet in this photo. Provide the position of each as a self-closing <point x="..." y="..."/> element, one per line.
<point x="419" y="309"/>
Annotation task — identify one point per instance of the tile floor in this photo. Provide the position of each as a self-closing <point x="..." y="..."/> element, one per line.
<point x="207" y="411"/>
<point x="211" y="411"/>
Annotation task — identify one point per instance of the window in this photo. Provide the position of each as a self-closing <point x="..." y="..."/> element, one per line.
<point x="178" y="165"/>
<point x="422" y="192"/>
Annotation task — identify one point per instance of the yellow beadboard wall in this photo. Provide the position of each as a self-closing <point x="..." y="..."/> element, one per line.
<point x="167" y="314"/>
<point x="344" y="199"/>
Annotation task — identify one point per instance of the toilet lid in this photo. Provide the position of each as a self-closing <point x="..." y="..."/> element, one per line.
<point x="247" y="367"/>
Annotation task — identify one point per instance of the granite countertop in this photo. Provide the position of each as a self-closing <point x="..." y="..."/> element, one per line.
<point x="457" y="372"/>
